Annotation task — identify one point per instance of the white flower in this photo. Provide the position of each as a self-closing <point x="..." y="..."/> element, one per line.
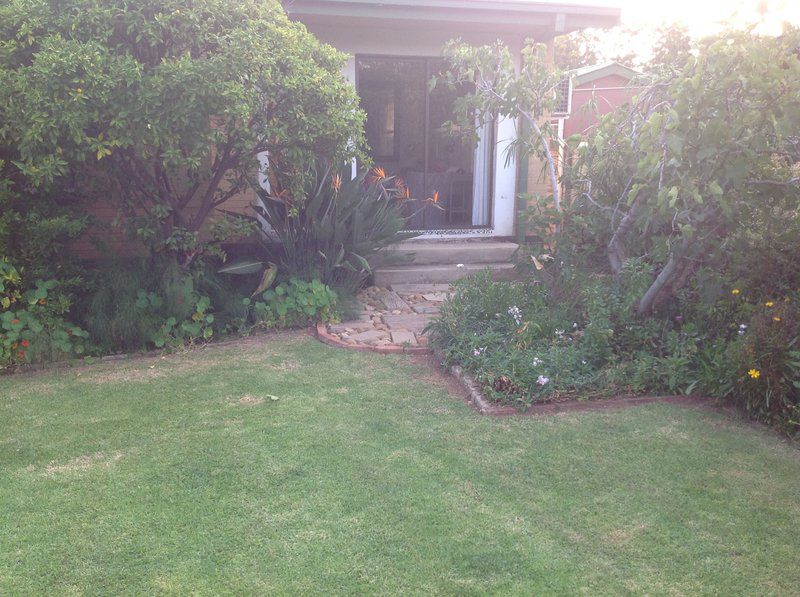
<point x="574" y="326"/>
<point x="536" y="361"/>
<point x="559" y="333"/>
<point x="516" y="314"/>
<point x="476" y="352"/>
<point x="542" y="380"/>
<point x="583" y="362"/>
<point x="459" y="265"/>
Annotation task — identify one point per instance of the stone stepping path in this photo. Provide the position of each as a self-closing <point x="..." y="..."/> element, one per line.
<point x="392" y="316"/>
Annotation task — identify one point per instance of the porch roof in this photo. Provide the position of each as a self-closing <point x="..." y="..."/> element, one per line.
<point x="540" y="18"/>
<point x="587" y="74"/>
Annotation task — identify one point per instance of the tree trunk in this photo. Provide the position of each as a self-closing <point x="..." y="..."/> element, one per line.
<point x="616" y="246"/>
<point x="671" y="271"/>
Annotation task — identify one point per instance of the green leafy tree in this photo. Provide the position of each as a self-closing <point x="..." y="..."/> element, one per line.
<point x="671" y="49"/>
<point x="164" y="106"/>
<point x="527" y="96"/>
<point x="576" y="49"/>
<point x="698" y="156"/>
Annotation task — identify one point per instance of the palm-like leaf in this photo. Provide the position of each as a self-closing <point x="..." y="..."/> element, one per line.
<point x="334" y="235"/>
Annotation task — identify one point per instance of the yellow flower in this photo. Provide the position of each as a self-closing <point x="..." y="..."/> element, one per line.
<point x="769" y="304"/>
<point x="776" y="319"/>
<point x="754" y="373"/>
<point x="735" y="291"/>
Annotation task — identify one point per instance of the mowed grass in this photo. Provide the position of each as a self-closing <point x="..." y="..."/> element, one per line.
<point x="182" y="475"/>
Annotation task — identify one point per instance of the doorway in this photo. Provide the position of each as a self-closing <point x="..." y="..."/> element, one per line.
<point x="404" y="130"/>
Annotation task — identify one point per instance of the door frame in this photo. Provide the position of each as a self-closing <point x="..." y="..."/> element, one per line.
<point x="481" y="230"/>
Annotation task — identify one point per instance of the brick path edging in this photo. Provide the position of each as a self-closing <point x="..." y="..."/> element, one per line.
<point x="479" y="401"/>
<point x="327" y="338"/>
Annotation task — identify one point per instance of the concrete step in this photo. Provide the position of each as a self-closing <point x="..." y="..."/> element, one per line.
<point x="437" y="274"/>
<point x="450" y="252"/>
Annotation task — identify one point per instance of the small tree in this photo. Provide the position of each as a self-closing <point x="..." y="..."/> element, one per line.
<point x="696" y="156"/>
<point x="163" y="106"/>
<point x="576" y="49"/>
<point x="527" y="97"/>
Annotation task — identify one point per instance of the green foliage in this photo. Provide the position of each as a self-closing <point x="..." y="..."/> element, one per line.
<point x="141" y="304"/>
<point x="525" y="342"/>
<point x="529" y="94"/>
<point x="576" y="49"/>
<point x="33" y="327"/>
<point x="163" y="107"/>
<point x="295" y="303"/>
<point x="701" y="155"/>
<point x="36" y="228"/>
<point x="752" y="354"/>
<point x="670" y="46"/>
<point x="174" y="333"/>
<point x="338" y="227"/>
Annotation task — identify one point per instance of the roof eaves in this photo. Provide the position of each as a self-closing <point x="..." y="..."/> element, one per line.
<point x="516" y="12"/>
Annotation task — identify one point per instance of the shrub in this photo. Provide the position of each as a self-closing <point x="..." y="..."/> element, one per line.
<point x="163" y="106"/>
<point x="679" y="206"/>
<point x="32" y="323"/>
<point x="338" y="228"/>
<point x="140" y="304"/>
<point x="294" y="303"/>
<point x="764" y="364"/>
<point x="524" y="343"/>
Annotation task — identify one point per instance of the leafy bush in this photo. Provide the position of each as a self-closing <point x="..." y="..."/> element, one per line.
<point x="32" y="323"/>
<point x="678" y="206"/>
<point x="36" y="228"/>
<point x="162" y="106"/>
<point x="338" y="228"/>
<point x="524" y="343"/>
<point x="141" y="304"/>
<point x="756" y="363"/>
<point x="294" y="303"/>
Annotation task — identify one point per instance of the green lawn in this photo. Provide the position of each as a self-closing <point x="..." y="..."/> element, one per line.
<point x="181" y="475"/>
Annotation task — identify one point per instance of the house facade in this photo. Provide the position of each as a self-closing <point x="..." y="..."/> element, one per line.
<point x="395" y="49"/>
<point x="597" y="90"/>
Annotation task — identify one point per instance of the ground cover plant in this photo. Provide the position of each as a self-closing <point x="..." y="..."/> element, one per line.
<point x="280" y="465"/>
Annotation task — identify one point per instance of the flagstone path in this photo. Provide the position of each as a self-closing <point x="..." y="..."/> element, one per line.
<point x="393" y="316"/>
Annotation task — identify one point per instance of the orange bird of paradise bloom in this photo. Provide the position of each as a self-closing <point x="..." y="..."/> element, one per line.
<point x="434" y="200"/>
<point x="378" y="174"/>
<point x="336" y="182"/>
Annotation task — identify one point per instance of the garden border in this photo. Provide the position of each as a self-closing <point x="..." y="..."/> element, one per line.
<point x="481" y="404"/>
<point x="87" y="361"/>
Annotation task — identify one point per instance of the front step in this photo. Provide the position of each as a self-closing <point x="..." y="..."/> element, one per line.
<point x="450" y="252"/>
<point x="438" y="273"/>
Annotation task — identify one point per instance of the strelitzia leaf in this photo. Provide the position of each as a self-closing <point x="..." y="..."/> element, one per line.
<point x="267" y="279"/>
<point x="242" y="267"/>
